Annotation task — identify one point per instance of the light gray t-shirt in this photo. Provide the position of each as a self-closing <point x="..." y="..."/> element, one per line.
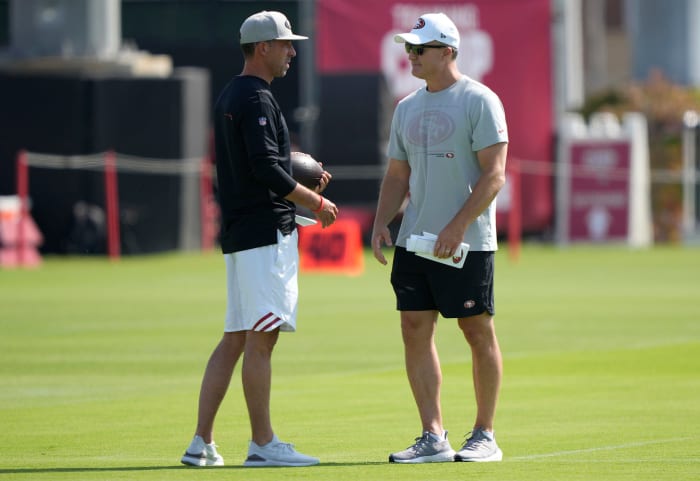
<point x="439" y="134"/>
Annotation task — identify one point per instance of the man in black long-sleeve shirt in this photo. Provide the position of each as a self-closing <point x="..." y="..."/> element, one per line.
<point x="259" y="240"/>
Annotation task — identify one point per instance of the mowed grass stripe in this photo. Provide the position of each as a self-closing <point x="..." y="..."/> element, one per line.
<point x="100" y="365"/>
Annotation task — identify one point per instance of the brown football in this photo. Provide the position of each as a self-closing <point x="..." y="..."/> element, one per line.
<point x="306" y="170"/>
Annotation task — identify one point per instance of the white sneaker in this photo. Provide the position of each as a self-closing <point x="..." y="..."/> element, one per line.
<point x="200" y="453"/>
<point x="480" y="446"/>
<point x="277" y="453"/>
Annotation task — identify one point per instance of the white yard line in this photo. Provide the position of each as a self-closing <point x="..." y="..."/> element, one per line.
<point x="597" y="449"/>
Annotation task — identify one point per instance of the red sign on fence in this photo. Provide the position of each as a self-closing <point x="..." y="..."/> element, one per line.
<point x="599" y="191"/>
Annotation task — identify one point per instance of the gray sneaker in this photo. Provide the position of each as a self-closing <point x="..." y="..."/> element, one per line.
<point x="480" y="446"/>
<point x="425" y="450"/>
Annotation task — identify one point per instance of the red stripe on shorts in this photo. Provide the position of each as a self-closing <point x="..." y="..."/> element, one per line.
<point x="261" y="320"/>
<point x="271" y="324"/>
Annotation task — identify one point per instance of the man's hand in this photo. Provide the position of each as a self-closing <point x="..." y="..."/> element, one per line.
<point x="448" y="241"/>
<point x="328" y="212"/>
<point x="323" y="182"/>
<point x="380" y="234"/>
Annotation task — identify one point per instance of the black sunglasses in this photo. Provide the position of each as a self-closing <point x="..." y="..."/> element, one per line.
<point x="419" y="49"/>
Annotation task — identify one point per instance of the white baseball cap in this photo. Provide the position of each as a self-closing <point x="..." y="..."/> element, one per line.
<point x="431" y="27"/>
<point x="265" y="25"/>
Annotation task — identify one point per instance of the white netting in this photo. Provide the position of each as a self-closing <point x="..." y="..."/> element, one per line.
<point x="123" y="163"/>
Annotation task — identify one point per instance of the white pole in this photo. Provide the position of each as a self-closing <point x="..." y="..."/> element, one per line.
<point x="568" y="57"/>
<point x="640" y="222"/>
<point x="690" y="126"/>
<point x="308" y="111"/>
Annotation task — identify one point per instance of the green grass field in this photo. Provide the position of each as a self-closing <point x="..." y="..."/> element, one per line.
<point x="100" y="365"/>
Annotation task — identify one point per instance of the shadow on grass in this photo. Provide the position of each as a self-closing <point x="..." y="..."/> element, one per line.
<point x="172" y="467"/>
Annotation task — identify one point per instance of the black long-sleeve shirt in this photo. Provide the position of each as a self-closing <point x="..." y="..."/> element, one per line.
<point x="253" y="165"/>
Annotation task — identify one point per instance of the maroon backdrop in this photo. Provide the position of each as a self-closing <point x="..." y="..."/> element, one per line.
<point x="505" y="44"/>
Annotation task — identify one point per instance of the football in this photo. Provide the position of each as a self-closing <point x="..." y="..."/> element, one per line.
<point x="306" y="170"/>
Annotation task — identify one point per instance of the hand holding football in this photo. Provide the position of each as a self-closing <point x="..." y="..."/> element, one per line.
<point x="306" y="170"/>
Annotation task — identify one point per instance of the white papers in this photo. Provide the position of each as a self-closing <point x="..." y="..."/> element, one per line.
<point x="424" y="245"/>
<point x="304" y="221"/>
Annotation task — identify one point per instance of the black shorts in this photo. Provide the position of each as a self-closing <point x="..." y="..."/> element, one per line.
<point x="424" y="285"/>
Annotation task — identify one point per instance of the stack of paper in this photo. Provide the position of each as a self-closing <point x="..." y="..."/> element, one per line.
<point x="304" y="221"/>
<point x="424" y="245"/>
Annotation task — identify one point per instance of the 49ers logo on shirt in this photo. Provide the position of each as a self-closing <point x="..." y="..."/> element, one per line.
<point x="429" y="128"/>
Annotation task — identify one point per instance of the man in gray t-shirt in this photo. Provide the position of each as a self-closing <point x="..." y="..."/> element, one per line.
<point x="447" y="158"/>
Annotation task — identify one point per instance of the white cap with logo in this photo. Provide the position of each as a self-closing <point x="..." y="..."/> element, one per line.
<point x="265" y="25"/>
<point x="431" y="27"/>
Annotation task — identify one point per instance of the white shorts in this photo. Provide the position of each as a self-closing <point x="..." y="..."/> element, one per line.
<point x="262" y="290"/>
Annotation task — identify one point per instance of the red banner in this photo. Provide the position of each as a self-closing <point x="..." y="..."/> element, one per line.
<point x="504" y="44"/>
<point x="599" y="190"/>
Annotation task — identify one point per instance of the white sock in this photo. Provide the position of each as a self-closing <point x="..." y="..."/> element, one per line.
<point x="438" y="437"/>
<point x="196" y="443"/>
